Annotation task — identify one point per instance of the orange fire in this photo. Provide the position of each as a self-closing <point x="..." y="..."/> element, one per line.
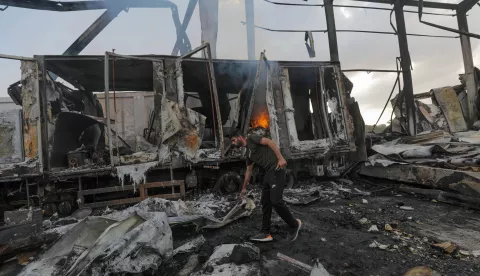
<point x="260" y="119"/>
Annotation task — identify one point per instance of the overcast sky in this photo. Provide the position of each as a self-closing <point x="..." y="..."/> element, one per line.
<point x="437" y="61"/>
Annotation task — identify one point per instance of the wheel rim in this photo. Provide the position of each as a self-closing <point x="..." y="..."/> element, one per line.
<point x="229" y="183"/>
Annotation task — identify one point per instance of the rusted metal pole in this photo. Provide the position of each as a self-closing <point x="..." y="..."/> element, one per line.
<point x="215" y="95"/>
<point x="406" y="64"/>
<point x="470" y="79"/>
<point x="331" y="30"/>
<point x="250" y="19"/>
<point x="107" y="107"/>
<point x="43" y="107"/>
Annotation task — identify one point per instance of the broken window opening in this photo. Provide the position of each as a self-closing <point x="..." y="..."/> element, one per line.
<point x="306" y="100"/>
<point x="334" y="103"/>
<point x="233" y="81"/>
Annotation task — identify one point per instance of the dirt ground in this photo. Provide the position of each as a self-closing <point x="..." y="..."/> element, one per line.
<point x="333" y="233"/>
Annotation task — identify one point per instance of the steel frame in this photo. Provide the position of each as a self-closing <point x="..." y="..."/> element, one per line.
<point x="461" y="10"/>
<point x="398" y="6"/>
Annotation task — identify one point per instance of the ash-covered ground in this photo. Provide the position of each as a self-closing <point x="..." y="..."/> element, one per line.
<point x="336" y="232"/>
<point x="351" y="227"/>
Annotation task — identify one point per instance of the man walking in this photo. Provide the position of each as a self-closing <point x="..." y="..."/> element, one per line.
<point x="265" y="153"/>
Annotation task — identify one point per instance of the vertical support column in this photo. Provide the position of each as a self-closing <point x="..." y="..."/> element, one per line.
<point x="406" y="72"/>
<point x="332" y="30"/>
<point x="107" y="106"/>
<point x="31" y="109"/>
<point x="159" y="89"/>
<point x="213" y="81"/>
<point x="250" y="19"/>
<point x="43" y="108"/>
<point x="470" y="79"/>
<point x="179" y="78"/>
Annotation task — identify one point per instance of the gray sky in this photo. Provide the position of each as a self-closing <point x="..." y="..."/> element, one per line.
<point x="437" y="61"/>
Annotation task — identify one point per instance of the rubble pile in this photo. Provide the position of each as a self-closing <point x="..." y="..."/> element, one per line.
<point x="441" y="162"/>
<point x="348" y="228"/>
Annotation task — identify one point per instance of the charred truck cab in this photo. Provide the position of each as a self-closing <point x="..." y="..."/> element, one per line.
<point x="95" y="131"/>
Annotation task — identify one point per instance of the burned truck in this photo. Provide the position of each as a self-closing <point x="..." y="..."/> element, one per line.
<point x="77" y="142"/>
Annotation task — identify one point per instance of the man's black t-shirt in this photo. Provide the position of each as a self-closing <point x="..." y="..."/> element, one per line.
<point x="259" y="154"/>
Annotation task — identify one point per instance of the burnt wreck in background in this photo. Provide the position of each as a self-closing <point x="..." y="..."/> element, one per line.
<point x="82" y="148"/>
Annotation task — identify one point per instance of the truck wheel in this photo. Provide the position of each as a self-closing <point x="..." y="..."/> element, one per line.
<point x="65" y="208"/>
<point x="229" y="182"/>
<point x="50" y="208"/>
<point x="291" y="181"/>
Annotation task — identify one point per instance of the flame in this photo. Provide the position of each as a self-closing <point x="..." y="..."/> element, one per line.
<point x="260" y="119"/>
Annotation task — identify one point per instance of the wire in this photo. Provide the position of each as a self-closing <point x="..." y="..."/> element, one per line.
<point x="294" y="4"/>
<point x="347" y="31"/>
<point x="353" y="7"/>
<point x="386" y="104"/>
<point x="3" y="9"/>
<point x="387" y="9"/>
<point x="371" y="70"/>
<point x="391" y="23"/>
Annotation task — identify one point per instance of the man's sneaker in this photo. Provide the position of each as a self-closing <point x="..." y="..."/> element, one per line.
<point x="262" y="237"/>
<point x="293" y="235"/>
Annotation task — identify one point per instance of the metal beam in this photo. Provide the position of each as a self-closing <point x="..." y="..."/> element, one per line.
<point x="466" y="5"/>
<point x="250" y="19"/>
<point x="63" y="6"/>
<point x="107" y="106"/>
<point x="413" y="3"/>
<point x="350" y="31"/>
<point x="92" y="31"/>
<point x="16" y="57"/>
<point x="460" y="8"/>
<point x="406" y="65"/>
<point x="470" y="79"/>
<point x="331" y="30"/>
<point x="43" y="116"/>
<point x="180" y="45"/>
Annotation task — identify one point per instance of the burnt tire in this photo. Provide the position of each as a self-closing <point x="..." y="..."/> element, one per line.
<point x="228" y="183"/>
<point x="65" y="208"/>
<point x="50" y="208"/>
<point x="291" y="181"/>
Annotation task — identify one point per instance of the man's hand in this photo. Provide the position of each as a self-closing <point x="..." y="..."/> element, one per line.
<point x="243" y="192"/>
<point x="282" y="163"/>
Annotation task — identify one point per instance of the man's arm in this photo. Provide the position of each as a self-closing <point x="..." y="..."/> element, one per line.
<point x="282" y="163"/>
<point x="248" y="175"/>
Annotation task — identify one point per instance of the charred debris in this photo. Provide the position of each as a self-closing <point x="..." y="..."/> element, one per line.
<point x="441" y="162"/>
<point x="97" y="131"/>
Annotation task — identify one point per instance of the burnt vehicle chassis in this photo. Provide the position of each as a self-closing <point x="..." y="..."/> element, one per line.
<point x="76" y="154"/>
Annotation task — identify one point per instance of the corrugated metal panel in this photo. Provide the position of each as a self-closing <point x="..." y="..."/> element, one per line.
<point x="132" y="113"/>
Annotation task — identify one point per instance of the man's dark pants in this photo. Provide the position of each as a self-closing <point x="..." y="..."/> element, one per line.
<point x="272" y="197"/>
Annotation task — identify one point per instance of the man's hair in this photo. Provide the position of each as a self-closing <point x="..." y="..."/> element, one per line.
<point x="237" y="133"/>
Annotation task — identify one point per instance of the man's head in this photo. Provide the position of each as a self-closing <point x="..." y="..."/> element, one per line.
<point x="238" y="139"/>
